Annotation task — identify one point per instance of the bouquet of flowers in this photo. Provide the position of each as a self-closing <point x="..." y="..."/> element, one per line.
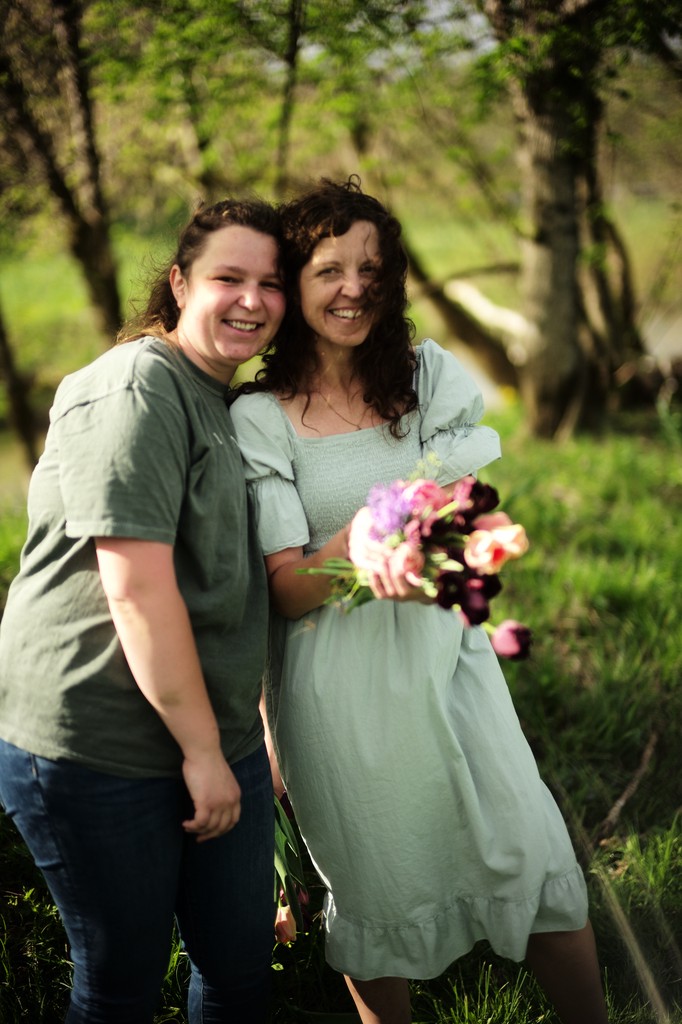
<point x="451" y="546"/>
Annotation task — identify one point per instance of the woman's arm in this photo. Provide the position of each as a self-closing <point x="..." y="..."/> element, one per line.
<point x="277" y="783"/>
<point x="292" y="594"/>
<point x="153" y="626"/>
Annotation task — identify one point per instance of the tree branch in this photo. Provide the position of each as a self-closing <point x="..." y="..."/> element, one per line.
<point x="34" y="138"/>
<point x="67" y="33"/>
<point x="669" y="57"/>
<point x="608" y="825"/>
<point x="489" y="349"/>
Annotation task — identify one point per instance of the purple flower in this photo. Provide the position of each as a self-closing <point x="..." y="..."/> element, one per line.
<point x="512" y="640"/>
<point x="390" y="509"/>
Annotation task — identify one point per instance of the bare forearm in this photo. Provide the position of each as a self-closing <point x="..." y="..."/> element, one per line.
<point x="154" y="628"/>
<point x="158" y="643"/>
<point x="294" y="594"/>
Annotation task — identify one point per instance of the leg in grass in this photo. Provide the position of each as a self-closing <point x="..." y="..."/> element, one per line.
<point x="381" y="1000"/>
<point x="566" y="966"/>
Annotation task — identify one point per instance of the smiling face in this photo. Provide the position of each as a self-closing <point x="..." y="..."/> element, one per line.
<point x="231" y="300"/>
<point x="334" y="284"/>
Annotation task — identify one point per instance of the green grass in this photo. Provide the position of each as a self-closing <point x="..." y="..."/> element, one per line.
<point x="34" y="969"/>
<point x="55" y="320"/>
<point x="600" y="588"/>
<point x="601" y="694"/>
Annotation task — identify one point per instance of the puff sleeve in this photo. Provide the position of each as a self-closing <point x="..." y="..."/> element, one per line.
<point x="451" y="406"/>
<point x="267" y="451"/>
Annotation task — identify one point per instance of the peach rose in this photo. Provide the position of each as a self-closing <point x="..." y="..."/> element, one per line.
<point x="487" y="551"/>
<point x="491" y="521"/>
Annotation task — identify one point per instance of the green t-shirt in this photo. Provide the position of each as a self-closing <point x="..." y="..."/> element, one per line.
<point x="140" y="445"/>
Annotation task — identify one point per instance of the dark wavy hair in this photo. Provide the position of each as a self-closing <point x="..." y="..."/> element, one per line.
<point x="385" y="362"/>
<point x="160" y="313"/>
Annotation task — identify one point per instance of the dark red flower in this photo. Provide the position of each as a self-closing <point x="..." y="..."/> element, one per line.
<point x="450" y="588"/>
<point x="470" y="591"/>
<point x="474" y="499"/>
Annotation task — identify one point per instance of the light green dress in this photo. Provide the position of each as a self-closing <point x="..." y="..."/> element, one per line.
<point x="412" y="783"/>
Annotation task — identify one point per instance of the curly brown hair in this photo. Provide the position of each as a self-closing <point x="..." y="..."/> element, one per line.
<point x="160" y="314"/>
<point x="385" y="362"/>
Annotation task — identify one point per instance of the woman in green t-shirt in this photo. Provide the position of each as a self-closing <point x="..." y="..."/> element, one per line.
<point x="131" y="746"/>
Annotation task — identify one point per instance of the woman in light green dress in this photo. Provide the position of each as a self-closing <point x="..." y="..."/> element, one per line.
<point x="413" y="785"/>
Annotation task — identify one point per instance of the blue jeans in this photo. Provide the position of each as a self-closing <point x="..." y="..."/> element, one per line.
<point x="120" y="867"/>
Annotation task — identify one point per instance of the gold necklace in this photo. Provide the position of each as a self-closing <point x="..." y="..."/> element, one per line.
<point x="336" y="412"/>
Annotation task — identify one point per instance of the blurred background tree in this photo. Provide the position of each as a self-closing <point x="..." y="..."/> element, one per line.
<point x="509" y="118"/>
<point x="49" y="133"/>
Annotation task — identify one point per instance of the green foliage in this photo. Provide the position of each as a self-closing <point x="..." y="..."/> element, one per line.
<point x="302" y="980"/>
<point x="12" y="536"/>
<point x="290" y="879"/>
<point x="188" y="98"/>
<point x="34" y="968"/>
<point x="46" y="303"/>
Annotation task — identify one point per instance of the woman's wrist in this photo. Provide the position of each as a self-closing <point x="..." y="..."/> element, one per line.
<point x="343" y="536"/>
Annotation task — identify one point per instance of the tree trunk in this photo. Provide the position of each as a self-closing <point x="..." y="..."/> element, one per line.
<point x="606" y="286"/>
<point x="576" y="285"/>
<point x="80" y="200"/>
<point x="554" y="371"/>
<point x="90" y="238"/>
<point x="295" y="20"/>
<point x="576" y="288"/>
<point x="489" y="349"/>
<point x="20" y="412"/>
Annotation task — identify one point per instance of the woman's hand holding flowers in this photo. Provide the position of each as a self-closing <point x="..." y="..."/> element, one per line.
<point x="416" y="541"/>
<point x="393" y="573"/>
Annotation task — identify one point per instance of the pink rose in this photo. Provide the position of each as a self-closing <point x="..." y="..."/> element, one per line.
<point x="487" y="551"/>
<point x="413" y="531"/>
<point x="512" y="640"/>
<point x="285" y="925"/>
<point x="461" y="492"/>
<point x="408" y="561"/>
<point x="423" y="494"/>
